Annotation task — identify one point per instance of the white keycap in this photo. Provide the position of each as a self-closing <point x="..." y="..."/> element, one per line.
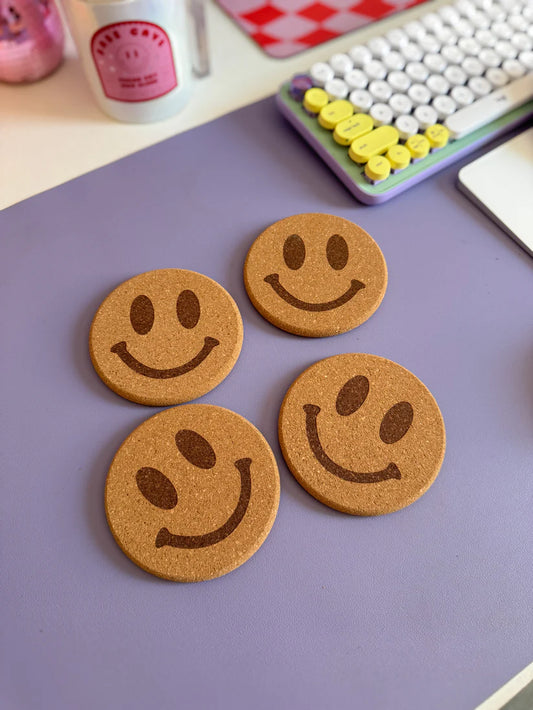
<point x="514" y="68"/>
<point x="452" y="54"/>
<point x="462" y="96"/>
<point x="491" y="107"/>
<point x="360" y="55"/>
<point x="429" y="43"/>
<point x="496" y="13"/>
<point x="419" y="94"/>
<point x="321" y="72"/>
<point x="479" y="86"/>
<point x="414" y="30"/>
<point x="497" y="77"/>
<point x="469" y="46"/>
<point x="341" y="64"/>
<point x="431" y="21"/>
<point x="444" y="106"/>
<point x="412" y="52"/>
<point x="449" y="15"/>
<point x="437" y="84"/>
<point x="505" y="49"/>
<point x="486" y="38"/>
<point x="382" y="114"/>
<point x="400" y="104"/>
<point x="527" y="59"/>
<point x="394" y="61"/>
<point x="379" y="47"/>
<point x="455" y="75"/>
<point x="380" y="90"/>
<point x="502" y="30"/>
<point x="426" y="116"/>
<point x="480" y="21"/>
<point x="361" y="100"/>
<point x="399" y="81"/>
<point x="356" y="79"/>
<point x="336" y="88"/>
<point x="397" y="38"/>
<point x="375" y="69"/>
<point x="472" y="66"/>
<point x="406" y="126"/>
<point x="465" y="8"/>
<point x="464" y="28"/>
<point x="489" y="57"/>
<point x="446" y="35"/>
<point x="518" y="23"/>
<point x="417" y="72"/>
<point x="521" y="41"/>
<point x="435" y="63"/>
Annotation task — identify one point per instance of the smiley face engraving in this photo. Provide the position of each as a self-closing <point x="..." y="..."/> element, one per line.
<point x="362" y="434"/>
<point x="159" y="491"/>
<point x="192" y="492"/>
<point x="315" y="275"/>
<point x="160" y="317"/>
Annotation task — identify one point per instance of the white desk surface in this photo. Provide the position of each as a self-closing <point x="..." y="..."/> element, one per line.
<point x="52" y="131"/>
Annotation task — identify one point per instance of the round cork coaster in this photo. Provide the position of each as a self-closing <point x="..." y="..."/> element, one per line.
<point x="362" y="434"/>
<point x="192" y="493"/>
<point x="315" y="275"/>
<point x="166" y="337"/>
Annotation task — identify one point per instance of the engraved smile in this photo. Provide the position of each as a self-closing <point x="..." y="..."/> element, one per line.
<point x="127" y="358"/>
<point x="273" y="280"/>
<point x="311" y="413"/>
<point x="192" y="542"/>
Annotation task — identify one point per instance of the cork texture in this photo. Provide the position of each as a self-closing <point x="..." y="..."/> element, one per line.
<point x="362" y="434"/>
<point x="192" y="493"/>
<point x="166" y="337"/>
<point x="315" y="275"/>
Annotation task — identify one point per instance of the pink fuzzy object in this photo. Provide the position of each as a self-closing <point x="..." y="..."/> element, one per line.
<point x="31" y="39"/>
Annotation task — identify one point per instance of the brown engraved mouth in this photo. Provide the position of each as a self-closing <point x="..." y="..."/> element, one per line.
<point x="193" y="542"/>
<point x="273" y="280"/>
<point x="127" y="358"/>
<point x="311" y="413"/>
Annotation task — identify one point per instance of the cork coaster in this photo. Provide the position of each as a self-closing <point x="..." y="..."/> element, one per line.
<point x="192" y="493"/>
<point x="315" y="275"/>
<point x="166" y="337"/>
<point x="362" y="434"/>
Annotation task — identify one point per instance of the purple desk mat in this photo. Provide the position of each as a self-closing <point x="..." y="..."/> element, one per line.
<point x="425" y="609"/>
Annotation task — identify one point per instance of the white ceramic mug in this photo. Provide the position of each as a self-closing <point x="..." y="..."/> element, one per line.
<point x="137" y="53"/>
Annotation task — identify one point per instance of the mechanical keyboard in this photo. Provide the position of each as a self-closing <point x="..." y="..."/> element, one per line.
<point x="389" y="113"/>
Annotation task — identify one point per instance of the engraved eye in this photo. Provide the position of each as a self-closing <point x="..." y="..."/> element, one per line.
<point x="195" y="449"/>
<point x="294" y="252"/>
<point x="352" y="395"/>
<point x="188" y="309"/>
<point x="156" y="488"/>
<point x="142" y="315"/>
<point x="337" y="252"/>
<point x="396" y="422"/>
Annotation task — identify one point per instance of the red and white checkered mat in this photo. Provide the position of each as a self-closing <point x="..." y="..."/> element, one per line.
<point x="285" y="27"/>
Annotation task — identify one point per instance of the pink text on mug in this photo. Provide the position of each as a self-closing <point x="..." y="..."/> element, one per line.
<point x="134" y="61"/>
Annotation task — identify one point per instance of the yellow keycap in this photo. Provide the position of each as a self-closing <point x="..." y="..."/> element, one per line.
<point x="351" y="128"/>
<point x="315" y="100"/>
<point x="334" y="113"/>
<point x="418" y="146"/>
<point x="377" y="168"/>
<point x="399" y="157"/>
<point x="374" y="143"/>
<point x="437" y="136"/>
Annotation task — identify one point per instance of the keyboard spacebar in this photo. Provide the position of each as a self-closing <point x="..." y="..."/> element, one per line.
<point x="490" y="107"/>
